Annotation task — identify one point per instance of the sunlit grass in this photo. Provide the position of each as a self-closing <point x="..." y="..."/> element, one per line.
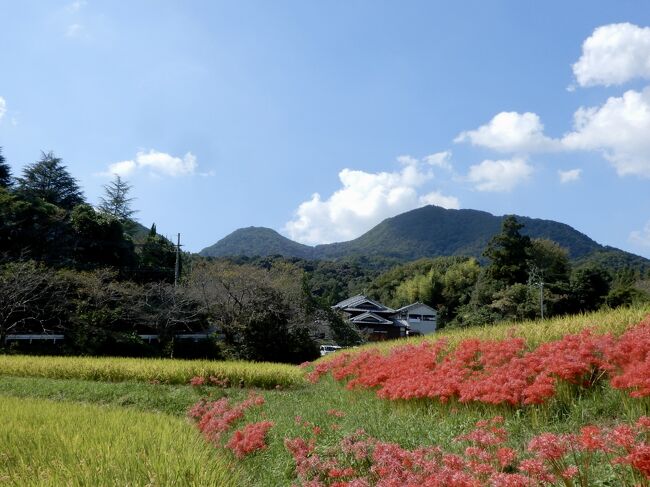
<point x="44" y="443"/>
<point x="535" y="332"/>
<point x="166" y="371"/>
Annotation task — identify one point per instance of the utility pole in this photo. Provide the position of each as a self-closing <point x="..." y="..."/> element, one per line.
<point x="541" y="297"/>
<point x="177" y="266"/>
<point x="536" y="278"/>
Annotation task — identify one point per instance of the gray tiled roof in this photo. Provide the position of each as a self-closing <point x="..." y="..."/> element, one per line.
<point x="409" y="306"/>
<point x="371" y="318"/>
<point x="354" y="301"/>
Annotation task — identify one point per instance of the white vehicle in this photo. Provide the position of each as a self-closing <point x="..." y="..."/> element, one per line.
<point x="325" y="349"/>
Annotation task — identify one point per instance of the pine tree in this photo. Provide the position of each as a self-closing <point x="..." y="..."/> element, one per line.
<point x="5" y="172"/>
<point x="49" y="180"/>
<point x="116" y="200"/>
<point x="508" y="253"/>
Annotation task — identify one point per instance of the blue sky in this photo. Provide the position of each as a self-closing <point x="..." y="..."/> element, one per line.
<point x="320" y="119"/>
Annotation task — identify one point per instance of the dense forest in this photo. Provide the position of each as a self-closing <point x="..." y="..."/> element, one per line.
<point x="96" y="275"/>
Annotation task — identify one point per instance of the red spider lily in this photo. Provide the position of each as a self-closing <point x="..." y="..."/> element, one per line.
<point x="498" y="372"/>
<point x="360" y="460"/>
<point x="250" y="438"/>
<point x="215" y="418"/>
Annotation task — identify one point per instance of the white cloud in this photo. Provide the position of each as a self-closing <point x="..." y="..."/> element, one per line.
<point x="614" y="54"/>
<point x="620" y="128"/>
<point x="502" y="175"/>
<point x="165" y="164"/>
<point x="440" y="159"/>
<point x="570" y="175"/>
<point x="641" y="237"/>
<point x="439" y="199"/>
<point x="511" y="132"/>
<point x="157" y="163"/>
<point x="364" y="200"/>
<point x="122" y="168"/>
<point x="3" y="107"/>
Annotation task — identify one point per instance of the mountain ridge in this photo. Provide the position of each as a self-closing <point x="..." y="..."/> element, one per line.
<point x="429" y="231"/>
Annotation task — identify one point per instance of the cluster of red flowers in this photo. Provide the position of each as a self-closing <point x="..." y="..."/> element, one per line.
<point x="360" y="460"/>
<point x="216" y="417"/>
<point x="498" y="372"/>
<point x="250" y="438"/>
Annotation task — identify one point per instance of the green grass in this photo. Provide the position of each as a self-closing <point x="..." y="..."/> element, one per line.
<point x="169" y="399"/>
<point x="166" y="371"/>
<point x="44" y="443"/>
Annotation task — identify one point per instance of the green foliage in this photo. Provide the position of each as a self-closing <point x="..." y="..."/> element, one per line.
<point x="263" y="314"/>
<point x="116" y="200"/>
<point x="589" y="287"/>
<point x="508" y="253"/>
<point x="5" y="172"/>
<point x="627" y="289"/>
<point x="100" y="239"/>
<point x="257" y="241"/>
<point x="157" y="258"/>
<point x="32" y="229"/>
<point x="160" y="398"/>
<point x="445" y="283"/>
<point x="49" y="180"/>
<point x="549" y="262"/>
<point x="425" y="232"/>
<point x="614" y="260"/>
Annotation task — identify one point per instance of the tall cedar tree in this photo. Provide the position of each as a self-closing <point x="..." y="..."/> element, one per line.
<point x="49" y="180"/>
<point x="116" y="201"/>
<point x="5" y="172"/>
<point x="508" y="252"/>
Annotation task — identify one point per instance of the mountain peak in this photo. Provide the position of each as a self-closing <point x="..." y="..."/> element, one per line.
<point x="429" y="231"/>
<point x="257" y="241"/>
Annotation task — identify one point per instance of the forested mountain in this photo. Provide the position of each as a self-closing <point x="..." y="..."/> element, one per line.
<point x="429" y="231"/>
<point x="257" y="241"/>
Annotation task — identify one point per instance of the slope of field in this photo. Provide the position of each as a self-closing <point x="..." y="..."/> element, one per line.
<point x="323" y="418"/>
<point x="165" y="371"/>
<point x="47" y="443"/>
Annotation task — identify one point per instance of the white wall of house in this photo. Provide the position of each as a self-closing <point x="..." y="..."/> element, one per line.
<point x="421" y="318"/>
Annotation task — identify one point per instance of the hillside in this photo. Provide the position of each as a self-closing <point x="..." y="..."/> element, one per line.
<point x="425" y="232"/>
<point x="254" y="241"/>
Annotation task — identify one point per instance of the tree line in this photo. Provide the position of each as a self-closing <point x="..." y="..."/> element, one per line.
<point x="96" y="275"/>
<point x="522" y="278"/>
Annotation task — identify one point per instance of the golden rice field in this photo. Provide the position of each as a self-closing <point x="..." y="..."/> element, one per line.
<point x="164" y="371"/>
<point x="46" y="443"/>
<point x="534" y="332"/>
